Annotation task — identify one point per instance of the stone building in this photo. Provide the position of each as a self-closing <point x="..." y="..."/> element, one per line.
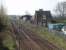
<point x="42" y="17"/>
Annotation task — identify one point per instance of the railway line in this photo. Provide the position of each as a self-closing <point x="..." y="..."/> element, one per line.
<point x="28" y="40"/>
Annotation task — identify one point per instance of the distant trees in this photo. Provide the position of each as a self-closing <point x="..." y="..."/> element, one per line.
<point x="61" y="9"/>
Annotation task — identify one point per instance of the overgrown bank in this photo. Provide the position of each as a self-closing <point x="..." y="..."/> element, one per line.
<point x="51" y="37"/>
<point x="6" y="40"/>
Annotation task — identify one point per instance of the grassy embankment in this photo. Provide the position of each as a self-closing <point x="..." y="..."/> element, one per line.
<point x="8" y="40"/>
<point x="51" y="37"/>
<point x="5" y="34"/>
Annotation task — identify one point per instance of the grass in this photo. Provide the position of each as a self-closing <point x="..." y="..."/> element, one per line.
<point x="51" y="37"/>
<point x="8" y="40"/>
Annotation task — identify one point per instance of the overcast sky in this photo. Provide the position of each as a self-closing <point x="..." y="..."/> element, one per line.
<point x="19" y="7"/>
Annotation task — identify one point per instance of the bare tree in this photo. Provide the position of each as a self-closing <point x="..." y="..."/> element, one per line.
<point x="61" y="9"/>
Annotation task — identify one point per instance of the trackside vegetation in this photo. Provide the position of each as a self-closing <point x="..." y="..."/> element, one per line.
<point x="50" y="36"/>
<point x="6" y="40"/>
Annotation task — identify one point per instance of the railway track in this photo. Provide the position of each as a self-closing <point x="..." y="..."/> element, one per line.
<point x="29" y="40"/>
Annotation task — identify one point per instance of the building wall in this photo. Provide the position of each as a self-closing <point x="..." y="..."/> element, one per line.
<point x="42" y="17"/>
